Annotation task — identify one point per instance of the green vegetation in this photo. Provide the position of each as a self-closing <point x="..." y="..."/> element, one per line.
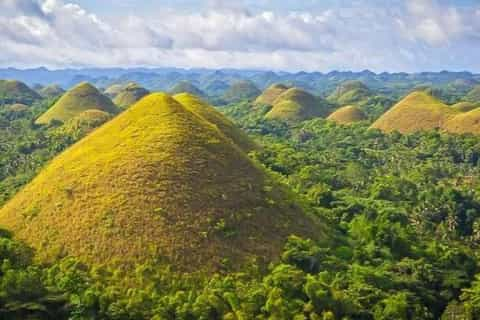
<point x="77" y="100"/>
<point x="473" y="95"/>
<point x="241" y="90"/>
<point x="12" y="92"/>
<point x="51" y="92"/>
<point x="129" y="95"/>
<point x="347" y="115"/>
<point x="297" y="105"/>
<point x="114" y="89"/>
<point x="186" y="87"/>
<point x="465" y="106"/>
<point x="350" y="92"/>
<point x="271" y="94"/>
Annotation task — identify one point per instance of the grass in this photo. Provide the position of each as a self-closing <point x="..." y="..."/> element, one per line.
<point x="465" y="106"/>
<point x="113" y="90"/>
<point x="154" y="184"/>
<point x="473" y="95"/>
<point x="241" y="90"/>
<point x="51" y="91"/>
<point x="130" y="95"/>
<point x="269" y="96"/>
<point x="347" y="115"/>
<point x="186" y="87"/>
<point x="350" y="92"/>
<point x="467" y="122"/>
<point x="297" y="105"/>
<point x="12" y="92"/>
<point x="84" y="123"/>
<point x="77" y="100"/>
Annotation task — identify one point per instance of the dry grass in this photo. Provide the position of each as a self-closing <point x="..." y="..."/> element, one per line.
<point x="467" y="122"/>
<point x="269" y="96"/>
<point x="12" y="92"/>
<point x="465" y="106"/>
<point x="84" y="123"/>
<point x="186" y="87"/>
<point x="347" y="115"/>
<point x="77" y="100"/>
<point x="156" y="183"/>
<point x="130" y="95"/>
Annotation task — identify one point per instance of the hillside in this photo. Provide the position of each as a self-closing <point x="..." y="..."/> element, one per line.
<point x="241" y="90"/>
<point x="465" y="106"/>
<point x="347" y="115"/>
<point x="297" y="105"/>
<point x="473" y="95"/>
<point x="467" y="122"/>
<point x="113" y="90"/>
<point x="350" y="92"/>
<point x="417" y="111"/>
<point x="77" y="100"/>
<point x="12" y="92"/>
<point x="83" y="124"/>
<point x="51" y="91"/>
<point x="269" y="96"/>
<point x="130" y="95"/>
<point x="157" y="183"/>
<point x="186" y="87"/>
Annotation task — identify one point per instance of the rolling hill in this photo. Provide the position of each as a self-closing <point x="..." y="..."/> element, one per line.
<point x="465" y="106"/>
<point x="157" y="183"/>
<point x="12" y="92"/>
<point x="130" y="95"/>
<point x="347" y="115"/>
<point x="186" y="87"/>
<point x="473" y="95"/>
<point x="297" y="105"/>
<point x="51" y="91"/>
<point x="350" y="92"/>
<point x="81" y="98"/>
<point x="113" y="90"/>
<point x="84" y="123"/>
<point x="241" y="90"/>
<point x="466" y="122"/>
<point x="269" y="96"/>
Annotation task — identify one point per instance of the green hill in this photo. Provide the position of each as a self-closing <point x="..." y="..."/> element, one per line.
<point x="473" y="95"/>
<point x="130" y="95"/>
<point x="417" y="111"/>
<point x="51" y="91"/>
<point x="297" y="105"/>
<point x="269" y="96"/>
<point x="186" y="87"/>
<point x="350" y="92"/>
<point x="465" y="106"/>
<point x="81" y="98"/>
<point x="347" y="115"/>
<point x="157" y="183"/>
<point x="241" y="90"/>
<point x="84" y="123"/>
<point x="12" y="92"/>
<point x="114" y="89"/>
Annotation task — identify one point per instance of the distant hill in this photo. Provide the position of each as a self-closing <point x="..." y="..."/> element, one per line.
<point x="186" y="87"/>
<point x="113" y="90"/>
<point x="51" y="91"/>
<point x="241" y="90"/>
<point x="81" y="98"/>
<point x="417" y="111"/>
<point x="297" y="105"/>
<point x="216" y="88"/>
<point x="350" y="92"/>
<point x="158" y="183"/>
<point x="130" y="95"/>
<point x="84" y="123"/>
<point x="473" y="95"/>
<point x="466" y="122"/>
<point x="12" y="92"/>
<point x="465" y="106"/>
<point x="269" y="96"/>
<point x="347" y="115"/>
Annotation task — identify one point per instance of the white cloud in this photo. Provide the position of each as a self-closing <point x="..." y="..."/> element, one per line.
<point x="403" y="37"/>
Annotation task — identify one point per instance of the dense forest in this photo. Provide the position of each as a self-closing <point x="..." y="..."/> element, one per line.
<point x="403" y="212"/>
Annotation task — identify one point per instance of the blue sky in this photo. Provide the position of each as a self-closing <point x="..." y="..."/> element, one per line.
<point x="293" y="35"/>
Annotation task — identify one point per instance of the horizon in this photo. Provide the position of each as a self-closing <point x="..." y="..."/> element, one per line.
<point x="404" y="36"/>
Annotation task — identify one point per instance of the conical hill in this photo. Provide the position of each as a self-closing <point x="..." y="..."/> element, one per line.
<point x="347" y="115"/>
<point x="269" y="96"/>
<point x="156" y="183"/>
<point x="77" y="100"/>
<point x="12" y="91"/>
<point x="130" y="95"/>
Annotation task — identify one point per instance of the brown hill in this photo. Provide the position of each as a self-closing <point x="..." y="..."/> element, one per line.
<point x="347" y="115"/>
<point x="269" y="96"/>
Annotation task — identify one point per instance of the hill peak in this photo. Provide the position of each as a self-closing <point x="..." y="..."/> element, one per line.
<point x="269" y="96"/>
<point x="347" y="115"/>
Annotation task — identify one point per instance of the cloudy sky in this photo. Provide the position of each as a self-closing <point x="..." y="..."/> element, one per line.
<point x="316" y="35"/>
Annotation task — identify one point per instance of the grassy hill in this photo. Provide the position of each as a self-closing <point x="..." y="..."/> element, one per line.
<point x="297" y="105"/>
<point x="350" y="92"/>
<point x="465" y="106"/>
<point x="186" y="87"/>
<point x="12" y="92"/>
<point x="466" y="122"/>
<point x="417" y="111"/>
<point x="157" y="183"/>
<point x="269" y="96"/>
<point x="473" y="95"/>
<point x="51" y="91"/>
<point x="114" y="89"/>
<point x="130" y="95"/>
<point x="83" y="123"/>
<point x="81" y="98"/>
<point x="347" y="115"/>
<point x="241" y="90"/>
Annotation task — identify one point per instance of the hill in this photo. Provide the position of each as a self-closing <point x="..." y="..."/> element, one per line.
<point x="417" y="111"/>
<point x="81" y="98"/>
<point x="12" y="92"/>
<point x="269" y="96"/>
<point x="347" y="115"/>
<point x="241" y="90"/>
<point x="209" y="113"/>
<point x="350" y="92"/>
<point x="157" y="183"/>
<point x="297" y="105"/>
<point x="130" y="95"/>
<point x="465" y="106"/>
<point x="51" y="91"/>
<point x="83" y="123"/>
<point x="467" y="122"/>
<point x="473" y="95"/>
<point x="186" y="87"/>
<point x="113" y="90"/>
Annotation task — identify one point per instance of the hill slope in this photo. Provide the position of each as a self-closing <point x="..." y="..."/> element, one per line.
<point x="350" y="92"/>
<point x="77" y="100"/>
<point x="269" y="96"/>
<point x="186" y="87"/>
<point x="241" y="90"/>
<point x="130" y="95"/>
<point x="12" y="92"/>
<point x="113" y="90"/>
<point x="417" y="111"/>
<point x="51" y="91"/>
<point x="347" y="115"/>
<point x="473" y="95"/>
<point x="467" y="122"/>
<point x="465" y="106"/>
<point x="297" y="105"/>
<point x="156" y="183"/>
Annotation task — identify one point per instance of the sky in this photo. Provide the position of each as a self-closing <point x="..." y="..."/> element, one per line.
<point x="289" y="35"/>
